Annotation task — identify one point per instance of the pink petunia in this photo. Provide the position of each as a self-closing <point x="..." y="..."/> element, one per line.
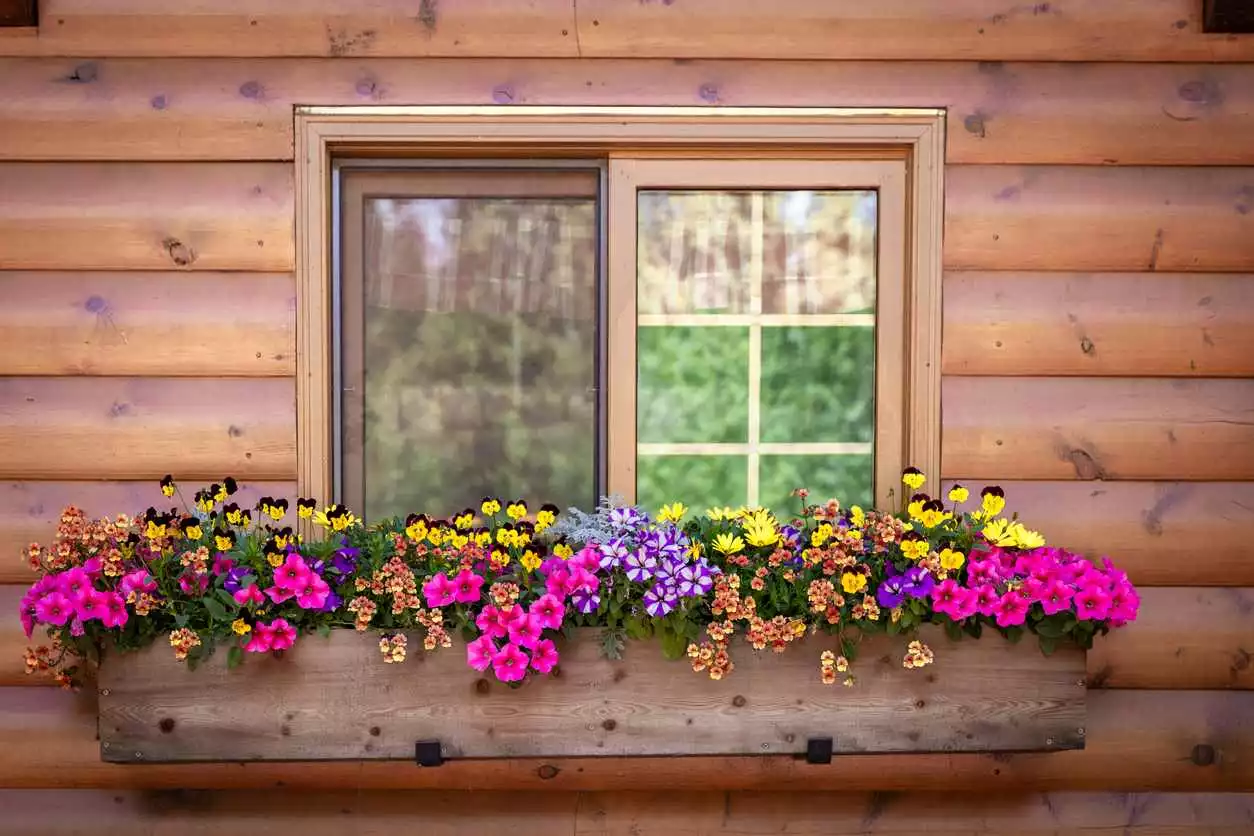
<point x="952" y="600"/>
<point x="115" y="611"/>
<point x="54" y="608"/>
<point x="94" y="567"/>
<point x="91" y="604"/>
<point x="439" y="591"/>
<point x="480" y="653"/>
<point x="986" y="599"/>
<point x="293" y="573"/>
<point x="133" y="583"/>
<point x="222" y="564"/>
<point x="467" y="587"/>
<point x="1091" y="604"/>
<point x="259" y="640"/>
<point x="73" y="582"/>
<point x="489" y="622"/>
<point x="1124" y="604"/>
<point x="282" y="634"/>
<point x="250" y="594"/>
<point x="525" y="630"/>
<point x="1055" y="597"/>
<point x="313" y="594"/>
<point x="279" y="594"/>
<point x="588" y="558"/>
<point x="549" y="611"/>
<point x="981" y="572"/>
<point x="557" y="582"/>
<point x="1012" y="610"/>
<point x="26" y="612"/>
<point x="544" y="656"/>
<point x="510" y="663"/>
<point x="194" y="585"/>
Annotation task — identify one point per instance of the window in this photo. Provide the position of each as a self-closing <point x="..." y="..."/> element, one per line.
<point x="718" y="308"/>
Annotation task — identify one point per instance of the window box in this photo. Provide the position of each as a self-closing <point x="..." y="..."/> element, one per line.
<point x="333" y="699"/>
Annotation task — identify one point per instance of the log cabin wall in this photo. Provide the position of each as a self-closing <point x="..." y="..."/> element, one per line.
<point x="1098" y="359"/>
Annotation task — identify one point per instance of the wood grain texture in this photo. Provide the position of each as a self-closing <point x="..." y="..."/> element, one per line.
<point x="1091" y="428"/>
<point x="174" y="324"/>
<point x="1128" y="324"/>
<point x="1135" y="741"/>
<point x="979" y="696"/>
<point x="226" y="813"/>
<point x="164" y="216"/>
<point x="1185" y="637"/>
<point x="1065" y="30"/>
<point x="241" y="109"/>
<point x="143" y="428"/>
<point x="29" y="511"/>
<point x="1160" y="533"/>
<point x="1062" y="30"/>
<point x="1073" y="218"/>
<point x="1182" y="638"/>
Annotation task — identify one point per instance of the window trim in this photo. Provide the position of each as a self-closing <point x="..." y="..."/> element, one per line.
<point x="915" y="135"/>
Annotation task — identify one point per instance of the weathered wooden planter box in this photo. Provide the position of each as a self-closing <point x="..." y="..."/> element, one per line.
<point x="334" y="698"/>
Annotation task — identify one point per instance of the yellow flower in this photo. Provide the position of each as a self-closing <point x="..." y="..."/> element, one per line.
<point x="820" y="535"/>
<point x="998" y="533"/>
<point x="564" y="551"/>
<point x="483" y="537"/>
<point x="167" y="485"/>
<point x="415" y="528"/>
<point x="992" y="501"/>
<point x="546" y="516"/>
<point x="760" y="529"/>
<point x="305" y="507"/>
<point x="914" y="547"/>
<point x="958" y="494"/>
<point x="727" y="543"/>
<point x="240" y="626"/>
<point x="435" y="535"/>
<point x="694" y="550"/>
<point x="275" y="559"/>
<point x="951" y="559"/>
<point x="933" y="514"/>
<point x="1026" y="539"/>
<point x="530" y="561"/>
<point x="853" y="582"/>
<point x="506" y="536"/>
<point x="516" y="510"/>
<point x="458" y="541"/>
<point x="857" y="516"/>
<point x="204" y="501"/>
<point x="913" y="478"/>
<point x="915" y="507"/>
<point x="673" y="512"/>
<point x="154" y="530"/>
<point x="490" y="507"/>
<point x="464" y="520"/>
<point x="223" y="540"/>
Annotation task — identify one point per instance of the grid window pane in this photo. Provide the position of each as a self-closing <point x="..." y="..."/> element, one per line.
<point x="693" y="384"/>
<point x="846" y="478"/>
<point x="818" y="384"/>
<point x="698" y="481"/>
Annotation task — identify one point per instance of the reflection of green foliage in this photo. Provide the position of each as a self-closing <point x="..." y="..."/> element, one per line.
<point x="459" y="406"/>
<point x="846" y="478"/>
<point x="699" y="481"/>
<point x="693" y="384"/>
<point x="818" y="384"/>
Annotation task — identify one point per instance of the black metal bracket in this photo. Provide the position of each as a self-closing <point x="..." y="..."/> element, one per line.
<point x="427" y="753"/>
<point x="819" y="750"/>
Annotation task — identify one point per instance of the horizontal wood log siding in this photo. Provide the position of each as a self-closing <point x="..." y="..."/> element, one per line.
<point x="1097" y="245"/>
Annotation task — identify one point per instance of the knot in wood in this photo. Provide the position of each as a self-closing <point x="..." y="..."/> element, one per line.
<point x="547" y="772"/>
<point x="1203" y="754"/>
<point x="739" y="701"/>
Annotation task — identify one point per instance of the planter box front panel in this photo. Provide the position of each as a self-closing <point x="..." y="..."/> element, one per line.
<point x="334" y="698"/>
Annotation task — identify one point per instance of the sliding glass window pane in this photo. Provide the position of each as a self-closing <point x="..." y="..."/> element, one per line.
<point x="755" y="345"/>
<point x="478" y="345"/>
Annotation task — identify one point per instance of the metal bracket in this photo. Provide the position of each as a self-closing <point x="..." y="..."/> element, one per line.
<point x="819" y="750"/>
<point x="427" y="753"/>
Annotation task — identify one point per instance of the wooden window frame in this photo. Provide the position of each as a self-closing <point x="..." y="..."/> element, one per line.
<point x="913" y="137"/>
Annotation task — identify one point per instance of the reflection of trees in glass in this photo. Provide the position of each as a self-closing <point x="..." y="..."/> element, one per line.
<point x="698" y="481"/>
<point x="480" y="335"/>
<point x="846" y="478"/>
<point x="696" y="251"/>
<point x="818" y="384"/>
<point x="693" y="384"/>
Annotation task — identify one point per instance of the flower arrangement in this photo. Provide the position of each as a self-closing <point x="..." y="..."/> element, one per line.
<point x="511" y="583"/>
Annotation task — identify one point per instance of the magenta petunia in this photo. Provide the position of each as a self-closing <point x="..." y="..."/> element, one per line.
<point x="250" y="594"/>
<point x="115" y="611"/>
<point x="489" y="622"/>
<point x="91" y="605"/>
<point x="282" y="634"/>
<point x="292" y="573"/>
<point x="952" y="600"/>
<point x="133" y="583"/>
<point x="525" y="630"/>
<point x="986" y="599"/>
<point x="73" y="582"/>
<point x="544" y="656"/>
<point x="510" y="663"/>
<point x="467" y="587"/>
<point x="54" y="608"/>
<point x="549" y="611"/>
<point x="439" y="591"/>
<point x="1012" y="610"/>
<point x="1091" y="603"/>
<point x="480" y="652"/>
<point x="280" y="594"/>
<point x="1055" y="597"/>
<point x="313" y="594"/>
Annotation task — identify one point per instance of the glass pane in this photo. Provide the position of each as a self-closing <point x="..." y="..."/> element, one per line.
<point x="818" y="384"/>
<point x="819" y="252"/>
<point x="693" y="384"/>
<point x="756" y="326"/>
<point x="700" y="482"/>
<point x="846" y="478"/>
<point x="479" y="347"/>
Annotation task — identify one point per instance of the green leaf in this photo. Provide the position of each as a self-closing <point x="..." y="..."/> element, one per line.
<point x="1014" y="634"/>
<point x="674" y="645"/>
<point x="234" y="656"/>
<point x="216" y="610"/>
<point x="1048" y="645"/>
<point x="953" y="630"/>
